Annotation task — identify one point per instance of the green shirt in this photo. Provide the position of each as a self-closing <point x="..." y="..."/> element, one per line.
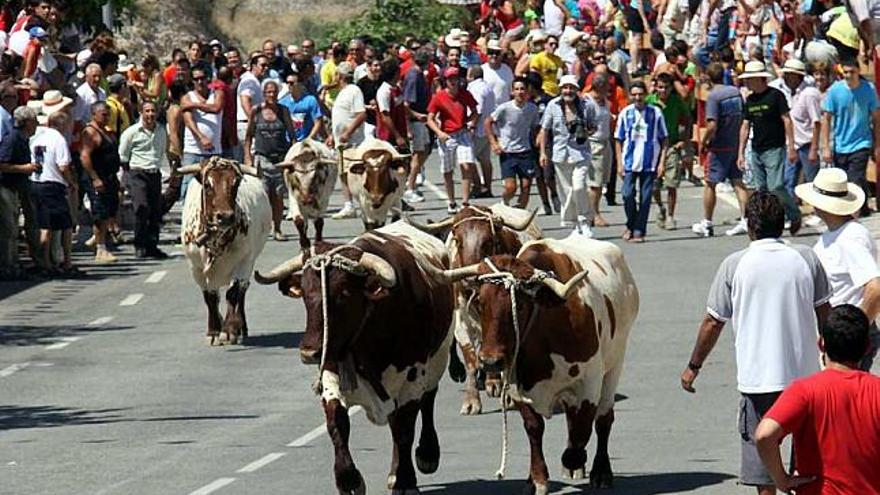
<point x="674" y="111"/>
<point x="143" y="149"/>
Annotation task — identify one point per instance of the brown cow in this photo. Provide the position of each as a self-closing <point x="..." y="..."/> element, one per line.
<point x="376" y="176"/>
<point x="386" y="328"/>
<point x="563" y="346"/>
<point x="309" y="173"/>
<point x="474" y="233"/>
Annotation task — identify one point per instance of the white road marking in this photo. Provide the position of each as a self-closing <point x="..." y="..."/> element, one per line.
<point x="131" y="300"/>
<point x="317" y="432"/>
<point x="100" y="321"/>
<point x="156" y="277"/>
<point x="213" y="486"/>
<point x="436" y="190"/>
<point x="65" y="341"/>
<point x="266" y="459"/>
<point x="9" y="370"/>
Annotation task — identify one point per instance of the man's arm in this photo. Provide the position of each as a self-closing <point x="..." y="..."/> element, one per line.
<point x="88" y="143"/>
<point x="249" y="136"/>
<point x="125" y="147"/>
<point x="822" y="312"/>
<point x="661" y="166"/>
<point x="871" y="299"/>
<point x="359" y="119"/>
<point x="432" y="124"/>
<point x="875" y="122"/>
<point x="204" y="106"/>
<point x="768" y="437"/>
<point x="246" y="103"/>
<point x="707" y="337"/>
<point x="789" y="138"/>
<point x="711" y="128"/>
<point x="743" y="141"/>
<point x="190" y="122"/>
<point x="619" y="150"/>
<point x="826" y="136"/>
<point x="488" y="126"/>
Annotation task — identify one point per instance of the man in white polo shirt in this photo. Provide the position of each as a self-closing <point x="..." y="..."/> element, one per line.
<point x="773" y="294"/>
<point x="847" y="250"/>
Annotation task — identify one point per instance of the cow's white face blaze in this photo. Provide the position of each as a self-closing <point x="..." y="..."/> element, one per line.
<point x="307" y="176"/>
<point x="378" y="182"/>
<point x="220" y="181"/>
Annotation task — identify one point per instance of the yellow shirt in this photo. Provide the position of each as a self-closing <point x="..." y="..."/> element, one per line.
<point x="119" y="120"/>
<point x="548" y="67"/>
<point x="843" y="31"/>
<point x="328" y="76"/>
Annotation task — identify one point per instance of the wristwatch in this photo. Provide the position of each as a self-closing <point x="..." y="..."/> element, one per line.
<point x="693" y="366"/>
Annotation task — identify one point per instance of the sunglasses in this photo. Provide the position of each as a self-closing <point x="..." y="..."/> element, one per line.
<point x="200" y="78"/>
<point x="494" y="53"/>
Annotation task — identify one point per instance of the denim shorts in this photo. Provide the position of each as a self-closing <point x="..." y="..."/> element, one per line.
<point x="722" y="167"/>
<point x="523" y="165"/>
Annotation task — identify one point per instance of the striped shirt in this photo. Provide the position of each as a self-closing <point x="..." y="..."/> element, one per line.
<point x="642" y="134"/>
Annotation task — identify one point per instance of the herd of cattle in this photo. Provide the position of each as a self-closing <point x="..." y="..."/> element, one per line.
<point x="546" y="320"/>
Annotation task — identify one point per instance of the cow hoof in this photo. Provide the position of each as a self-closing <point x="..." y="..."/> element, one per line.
<point x="493" y="388"/>
<point x="535" y="489"/>
<point x="392" y="479"/>
<point x="471" y="406"/>
<point x="574" y="460"/>
<point x="601" y="479"/>
<point x="428" y="459"/>
<point x="354" y="480"/>
<point x="212" y="339"/>
<point x="573" y="474"/>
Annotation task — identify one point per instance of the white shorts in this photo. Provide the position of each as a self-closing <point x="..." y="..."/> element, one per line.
<point x="458" y="149"/>
<point x="369" y="130"/>
<point x="421" y="140"/>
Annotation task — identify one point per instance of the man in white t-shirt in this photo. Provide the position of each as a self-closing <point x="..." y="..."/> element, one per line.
<point x="485" y="96"/>
<point x="249" y="93"/>
<point x="347" y="122"/>
<point x="774" y="295"/>
<point x="88" y="92"/>
<point x="847" y="249"/>
<point x="497" y="73"/>
<point x="555" y="15"/>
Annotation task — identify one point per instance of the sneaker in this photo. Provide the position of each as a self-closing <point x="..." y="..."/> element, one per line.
<point x="703" y="228"/>
<point x="739" y="229"/>
<point x="420" y="179"/>
<point x="404" y="206"/>
<point x="413" y="196"/>
<point x="103" y="256"/>
<point x="452" y="208"/>
<point x="347" y="211"/>
<point x="547" y="209"/>
<point x="671" y="224"/>
<point x="813" y="221"/>
<point x="91" y="242"/>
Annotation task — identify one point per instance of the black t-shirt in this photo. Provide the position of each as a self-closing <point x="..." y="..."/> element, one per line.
<point x="369" y="88"/>
<point x="765" y="111"/>
<point x="15" y="150"/>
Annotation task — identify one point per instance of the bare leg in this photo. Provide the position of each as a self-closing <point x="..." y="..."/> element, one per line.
<point x="277" y="210"/>
<point x="450" y="186"/>
<point x="509" y="190"/>
<point x="468" y="172"/>
<point x="45" y="250"/>
<point x="709" y="200"/>
<point x="672" y="200"/>
<point x="525" y="188"/>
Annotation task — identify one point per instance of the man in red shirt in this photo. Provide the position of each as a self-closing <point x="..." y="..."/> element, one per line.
<point x="456" y="109"/>
<point x="833" y="415"/>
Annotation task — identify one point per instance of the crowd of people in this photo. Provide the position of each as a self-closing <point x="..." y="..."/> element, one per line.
<point x="765" y="98"/>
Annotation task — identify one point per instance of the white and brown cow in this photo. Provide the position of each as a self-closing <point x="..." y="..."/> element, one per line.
<point x="310" y="170"/>
<point x="576" y="302"/>
<point x="376" y="176"/>
<point x="226" y="219"/>
<point x="474" y="233"/>
<point x="379" y="328"/>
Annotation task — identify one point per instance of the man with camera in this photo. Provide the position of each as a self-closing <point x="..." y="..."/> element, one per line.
<point x="569" y="121"/>
<point x="641" y="156"/>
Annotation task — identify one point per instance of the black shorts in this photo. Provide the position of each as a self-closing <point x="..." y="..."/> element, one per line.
<point x="523" y="165"/>
<point x="52" y="206"/>
<point x="105" y="204"/>
<point x="634" y="21"/>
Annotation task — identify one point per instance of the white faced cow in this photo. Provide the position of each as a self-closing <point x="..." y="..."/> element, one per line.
<point x="310" y="170"/>
<point x="474" y="233"/>
<point x="226" y="219"/>
<point x="378" y="327"/>
<point x="559" y="336"/>
<point x="376" y="177"/>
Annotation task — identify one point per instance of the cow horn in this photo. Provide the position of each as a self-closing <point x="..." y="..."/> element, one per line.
<point x="430" y="228"/>
<point x="281" y="271"/>
<point x="284" y="165"/>
<point x="188" y="169"/>
<point x="381" y="268"/>
<point x="522" y="225"/>
<point x="563" y="290"/>
<point x="453" y="275"/>
<point x="249" y="170"/>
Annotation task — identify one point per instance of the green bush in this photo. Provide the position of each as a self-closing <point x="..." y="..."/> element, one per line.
<point x="394" y="19"/>
<point x="87" y="13"/>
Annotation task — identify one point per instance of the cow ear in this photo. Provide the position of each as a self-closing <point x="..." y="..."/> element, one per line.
<point x="357" y="168"/>
<point x="292" y="286"/>
<point x="401" y="165"/>
<point x="373" y="289"/>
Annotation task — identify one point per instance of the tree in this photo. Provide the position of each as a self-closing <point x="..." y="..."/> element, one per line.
<point x="391" y="20"/>
<point x="87" y="13"/>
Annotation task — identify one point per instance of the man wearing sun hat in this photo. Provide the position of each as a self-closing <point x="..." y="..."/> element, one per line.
<point x="847" y="249"/>
<point x="767" y="114"/>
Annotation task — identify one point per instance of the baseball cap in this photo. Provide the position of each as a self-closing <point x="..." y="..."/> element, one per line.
<point x="37" y="32"/>
<point x="451" y="72"/>
<point x="115" y="82"/>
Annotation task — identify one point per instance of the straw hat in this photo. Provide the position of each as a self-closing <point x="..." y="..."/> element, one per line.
<point x="794" y="66"/>
<point x="832" y="193"/>
<point x="755" y="69"/>
<point x="452" y="39"/>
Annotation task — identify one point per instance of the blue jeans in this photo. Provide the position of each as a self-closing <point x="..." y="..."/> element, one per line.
<point x="716" y="39"/>
<point x="637" y="215"/>
<point x="803" y="163"/>
<point x="768" y="174"/>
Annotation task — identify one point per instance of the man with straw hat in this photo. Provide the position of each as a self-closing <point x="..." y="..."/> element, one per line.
<point x="847" y="250"/>
<point x="766" y="112"/>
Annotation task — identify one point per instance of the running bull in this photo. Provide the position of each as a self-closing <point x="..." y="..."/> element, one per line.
<point x="379" y="328"/>
<point x="555" y="320"/>
<point x="226" y="219"/>
<point x="310" y="170"/>
<point x="472" y="234"/>
<point x="376" y="173"/>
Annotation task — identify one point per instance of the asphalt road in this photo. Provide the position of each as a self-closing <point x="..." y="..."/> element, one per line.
<point x="108" y="387"/>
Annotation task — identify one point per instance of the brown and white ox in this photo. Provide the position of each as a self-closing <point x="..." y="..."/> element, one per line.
<point x="379" y="328"/>
<point x="376" y="176"/>
<point x="474" y="233"/>
<point x="565" y="346"/>
<point x="226" y="219"/>
<point x="310" y="170"/>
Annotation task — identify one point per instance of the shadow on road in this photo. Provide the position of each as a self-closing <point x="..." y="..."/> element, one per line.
<point x="21" y="417"/>
<point x="287" y="340"/>
<point x="635" y="484"/>
<point x="26" y="335"/>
